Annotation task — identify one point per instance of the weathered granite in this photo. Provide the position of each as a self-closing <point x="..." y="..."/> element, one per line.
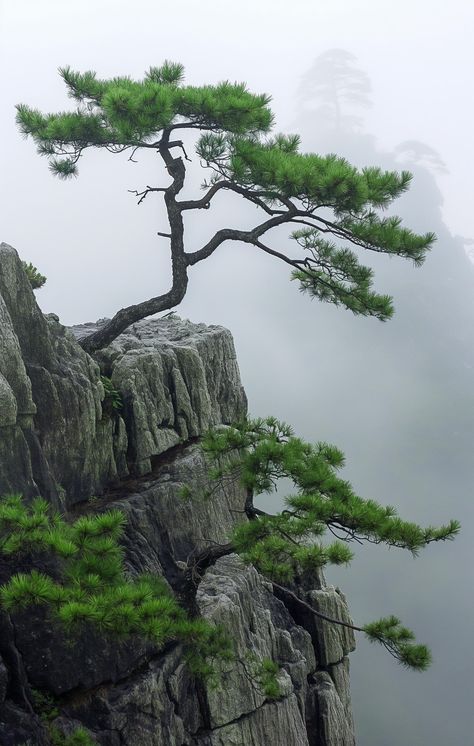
<point x="176" y="380"/>
<point x="162" y="528"/>
<point x="332" y="642"/>
<point x="334" y="726"/>
<point x="16" y="404"/>
<point x="58" y="438"/>
<point x="276" y="723"/>
<point x="156" y="706"/>
<point x="339" y="674"/>
<point x="3" y="680"/>
<point x="59" y="444"/>
<point x="236" y="597"/>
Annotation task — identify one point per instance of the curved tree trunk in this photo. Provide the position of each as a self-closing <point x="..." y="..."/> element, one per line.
<point x="179" y="264"/>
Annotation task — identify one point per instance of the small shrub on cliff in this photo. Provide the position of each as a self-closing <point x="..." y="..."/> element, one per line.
<point x="44" y="705"/>
<point x="35" y="277"/>
<point x="87" y="583"/>
<point x="112" y="402"/>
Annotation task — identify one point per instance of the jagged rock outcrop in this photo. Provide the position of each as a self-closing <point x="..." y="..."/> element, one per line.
<point x="59" y="438"/>
<point x="176" y="380"/>
<point x="68" y="451"/>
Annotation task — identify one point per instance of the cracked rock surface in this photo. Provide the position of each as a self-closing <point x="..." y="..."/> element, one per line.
<point x="59" y="438"/>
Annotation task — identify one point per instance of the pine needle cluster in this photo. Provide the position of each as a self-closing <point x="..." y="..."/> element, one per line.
<point x="287" y="543"/>
<point x="86" y="582"/>
<point x="266" y="674"/>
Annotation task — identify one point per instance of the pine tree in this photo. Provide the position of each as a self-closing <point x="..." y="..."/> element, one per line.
<point x="287" y="544"/>
<point x="77" y="573"/>
<point x="328" y="204"/>
<point x="35" y="277"/>
<point x="333" y="84"/>
<point x="330" y="209"/>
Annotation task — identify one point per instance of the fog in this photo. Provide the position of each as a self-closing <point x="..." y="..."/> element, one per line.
<point x="398" y="398"/>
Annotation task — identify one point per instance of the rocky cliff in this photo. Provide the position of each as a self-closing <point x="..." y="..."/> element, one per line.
<point x="60" y="437"/>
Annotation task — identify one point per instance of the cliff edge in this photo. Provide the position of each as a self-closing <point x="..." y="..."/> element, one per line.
<point x="61" y="438"/>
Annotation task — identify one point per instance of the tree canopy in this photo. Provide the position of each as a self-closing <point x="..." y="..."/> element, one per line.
<point x="330" y="206"/>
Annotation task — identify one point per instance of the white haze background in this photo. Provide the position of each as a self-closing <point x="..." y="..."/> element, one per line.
<point x="398" y="398"/>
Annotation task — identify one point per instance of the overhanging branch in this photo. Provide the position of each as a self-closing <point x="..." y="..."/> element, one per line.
<point x="332" y="620"/>
<point x="232" y="234"/>
<point x="256" y="197"/>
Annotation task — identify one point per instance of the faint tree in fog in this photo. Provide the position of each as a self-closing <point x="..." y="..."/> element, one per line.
<point x="332" y="85"/>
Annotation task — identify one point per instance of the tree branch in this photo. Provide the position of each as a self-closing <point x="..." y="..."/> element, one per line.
<point x="286" y="592"/>
<point x="248" y="194"/>
<point x="232" y="234"/>
<point x="296" y="263"/>
<point x="146" y="192"/>
<point x="199" y="562"/>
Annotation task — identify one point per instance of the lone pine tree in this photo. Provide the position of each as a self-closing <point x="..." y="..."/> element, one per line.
<point x="328" y="204"/>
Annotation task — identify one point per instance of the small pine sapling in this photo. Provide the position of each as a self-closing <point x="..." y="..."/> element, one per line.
<point x="35" y="277"/>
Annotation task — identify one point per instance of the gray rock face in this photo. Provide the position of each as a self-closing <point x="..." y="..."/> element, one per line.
<point x="16" y="403"/>
<point x="236" y="597"/>
<point x="332" y="642"/>
<point x="58" y="444"/>
<point x="278" y="723"/>
<point x="335" y="723"/>
<point x="157" y="705"/>
<point x="59" y="438"/>
<point x="176" y="379"/>
<point x="163" y="529"/>
<point x="56" y="437"/>
<point x="3" y="681"/>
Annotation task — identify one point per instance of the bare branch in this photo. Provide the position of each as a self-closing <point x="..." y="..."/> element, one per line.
<point x="230" y="234"/>
<point x="249" y="194"/>
<point x="146" y="192"/>
<point x="286" y="592"/>
<point x="130" y="157"/>
<point x="296" y="263"/>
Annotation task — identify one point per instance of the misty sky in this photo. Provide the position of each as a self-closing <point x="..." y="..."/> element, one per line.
<point x="398" y="398"/>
